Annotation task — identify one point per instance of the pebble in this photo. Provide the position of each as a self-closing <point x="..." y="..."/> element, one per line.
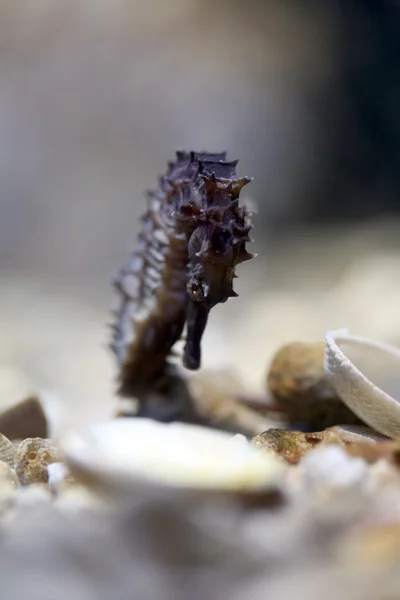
<point x="33" y="457"/>
<point x="21" y="411"/>
<point x="290" y="445"/>
<point x="298" y="383"/>
<point x="358" y="440"/>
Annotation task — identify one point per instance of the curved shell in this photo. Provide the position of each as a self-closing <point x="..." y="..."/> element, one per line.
<point x="126" y="456"/>
<point x="366" y="375"/>
<point x="7" y="451"/>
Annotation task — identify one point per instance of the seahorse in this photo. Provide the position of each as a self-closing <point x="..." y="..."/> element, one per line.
<point x="194" y="235"/>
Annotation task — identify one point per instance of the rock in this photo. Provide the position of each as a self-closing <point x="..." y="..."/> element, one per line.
<point x="290" y="445"/>
<point x="26" y="419"/>
<point x="298" y="383"/>
<point x="21" y="411"/>
<point x="358" y="440"/>
<point x="33" y="457"/>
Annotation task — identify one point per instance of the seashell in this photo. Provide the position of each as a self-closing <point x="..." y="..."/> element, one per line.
<point x="366" y="375"/>
<point x="9" y="480"/>
<point x="290" y="445"/>
<point x="33" y="457"/>
<point x="7" y="451"/>
<point x="126" y="459"/>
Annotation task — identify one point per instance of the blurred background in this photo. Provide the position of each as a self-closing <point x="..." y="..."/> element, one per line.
<point x="96" y="96"/>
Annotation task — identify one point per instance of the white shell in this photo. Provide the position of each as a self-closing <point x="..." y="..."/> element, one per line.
<point x="366" y="376"/>
<point x="129" y="455"/>
<point x="7" y="451"/>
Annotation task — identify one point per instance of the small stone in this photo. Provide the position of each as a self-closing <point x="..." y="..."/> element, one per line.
<point x="357" y="440"/>
<point x="298" y="383"/>
<point x="290" y="445"/>
<point x="25" y="419"/>
<point x="21" y="411"/>
<point x="33" y="457"/>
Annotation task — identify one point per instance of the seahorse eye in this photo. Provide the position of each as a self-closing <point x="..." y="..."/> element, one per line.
<point x="197" y="290"/>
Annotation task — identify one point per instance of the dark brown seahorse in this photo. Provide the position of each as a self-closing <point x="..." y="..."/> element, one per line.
<point x="194" y="234"/>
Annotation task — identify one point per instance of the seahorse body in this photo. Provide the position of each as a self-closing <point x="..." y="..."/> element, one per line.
<point x="194" y="234"/>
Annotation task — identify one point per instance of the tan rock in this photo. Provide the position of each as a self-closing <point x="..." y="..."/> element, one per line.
<point x="357" y="440"/>
<point x="298" y="383"/>
<point x="290" y="445"/>
<point x="32" y="459"/>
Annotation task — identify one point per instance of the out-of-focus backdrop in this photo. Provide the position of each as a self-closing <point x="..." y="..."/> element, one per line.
<point x="95" y="97"/>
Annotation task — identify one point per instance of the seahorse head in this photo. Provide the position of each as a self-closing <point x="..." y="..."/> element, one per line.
<point x="214" y="252"/>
